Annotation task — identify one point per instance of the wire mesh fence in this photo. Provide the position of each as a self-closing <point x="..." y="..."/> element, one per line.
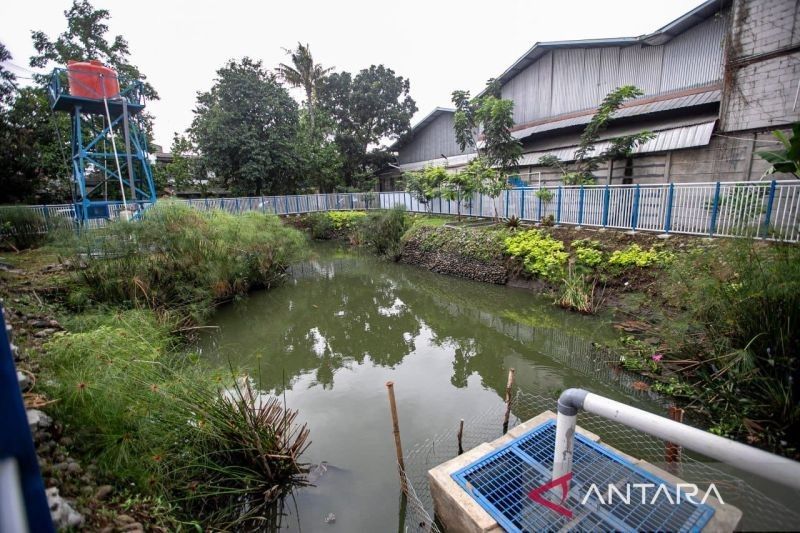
<point x="768" y="210"/>
<point x="764" y="505"/>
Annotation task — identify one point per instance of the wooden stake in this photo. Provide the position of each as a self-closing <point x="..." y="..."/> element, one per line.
<point x="673" y="451"/>
<point x="396" y="429"/>
<point x="460" y="435"/>
<point x="509" y="386"/>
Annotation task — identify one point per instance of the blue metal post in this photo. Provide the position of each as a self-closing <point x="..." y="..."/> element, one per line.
<point x="325" y="196"/>
<point x="237" y="206"/>
<point x="606" y="202"/>
<point x="286" y="203"/>
<point x="580" y="206"/>
<point x="507" y="193"/>
<point x="558" y="209"/>
<point x="351" y="201"/>
<point x="635" y="212"/>
<point x="712" y="226"/>
<point x="770" y="202"/>
<point x="263" y="205"/>
<point x="522" y="204"/>
<point x="206" y="202"/>
<point x="480" y="206"/>
<point x="539" y="217"/>
<point x="668" y="216"/>
<point x="16" y="442"/>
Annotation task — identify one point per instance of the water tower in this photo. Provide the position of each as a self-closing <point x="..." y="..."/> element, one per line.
<point x="111" y="174"/>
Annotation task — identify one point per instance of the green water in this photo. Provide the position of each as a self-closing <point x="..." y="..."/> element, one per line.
<point x="345" y="324"/>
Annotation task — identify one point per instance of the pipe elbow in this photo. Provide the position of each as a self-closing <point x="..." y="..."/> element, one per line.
<point x="571" y="401"/>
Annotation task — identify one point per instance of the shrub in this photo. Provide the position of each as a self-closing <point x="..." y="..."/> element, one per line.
<point x="742" y="300"/>
<point x="383" y="231"/>
<point x="587" y="253"/>
<point x="540" y="254"/>
<point x="346" y="221"/>
<point x="157" y="418"/>
<point x="183" y="261"/>
<point x="21" y="228"/>
<point x="513" y="222"/>
<point x="320" y="225"/>
<point x="482" y="245"/>
<point x="633" y="255"/>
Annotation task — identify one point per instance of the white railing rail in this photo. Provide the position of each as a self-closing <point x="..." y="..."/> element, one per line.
<point x="767" y="210"/>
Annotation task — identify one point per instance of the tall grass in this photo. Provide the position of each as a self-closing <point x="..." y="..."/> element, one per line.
<point x="159" y="419"/>
<point x="22" y="228"/>
<point x="382" y="231"/>
<point x="182" y="261"/>
<point x="742" y="338"/>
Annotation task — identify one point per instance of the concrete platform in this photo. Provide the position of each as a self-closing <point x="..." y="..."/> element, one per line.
<point x="458" y="511"/>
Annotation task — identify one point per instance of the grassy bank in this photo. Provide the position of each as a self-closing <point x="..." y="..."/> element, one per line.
<point x="130" y="397"/>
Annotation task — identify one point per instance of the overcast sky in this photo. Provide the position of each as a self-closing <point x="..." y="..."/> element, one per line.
<point x="439" y="45"/>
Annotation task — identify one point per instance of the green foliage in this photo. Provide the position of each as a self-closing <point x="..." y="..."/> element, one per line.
<point x="382" y="231"/>
<point x="186" y="171"/>
<point x="460" y="186"/>
<point x="786" y="160"/>
<point x="513" y="222"/>
<point x="742" y="299"/>
<point x="540" y="254"/>
<point x="306" y="73"/>
<point x="346" y="221"/>
<point x="480" y="245"/>
<point x="425" y="185"/>
<point x="157" y="419"/>
<point x="183" y="261"/>
<point x="368" y="108"/>
<point x="246" y="127"/>
<point x="21" y="228"/>
<point x="320" y="225"/>
<point x="545" y="195"/>
<point x="581" y="171"/>
<point x="634" y="256"/>
<point x="577" y="294"/>
<point x="587" y="254"/>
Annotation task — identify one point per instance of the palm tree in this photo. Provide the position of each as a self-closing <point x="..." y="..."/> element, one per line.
<point x="304" y="73"/>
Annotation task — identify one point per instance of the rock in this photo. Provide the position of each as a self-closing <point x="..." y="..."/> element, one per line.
<point x="330" y="519"/>
<point x="38" y="323"/>
<point x="61" y="512"/>
<point x="37" y="419"/>
<point x="135" y="526"/>
<point x="103" y="492"/>
<point x="74" y="468"/>
<point x="123" y="519"/>
<point x="44" y="332"/>
<point x="24" y="381"/>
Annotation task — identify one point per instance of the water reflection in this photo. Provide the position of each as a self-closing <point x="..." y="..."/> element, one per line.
<point x="344" y="324"/>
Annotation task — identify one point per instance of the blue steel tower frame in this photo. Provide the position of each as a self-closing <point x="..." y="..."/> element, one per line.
<point x="106" y="171"/>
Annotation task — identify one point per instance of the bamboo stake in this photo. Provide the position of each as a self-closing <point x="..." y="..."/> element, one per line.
<point x="396" y="429"/>
<point x="673" y="451"/>
<point x="509" y="386"/>
<point x="460" y="435"/>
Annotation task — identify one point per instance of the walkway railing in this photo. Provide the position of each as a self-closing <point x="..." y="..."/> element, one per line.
<point x="767" y="210"/>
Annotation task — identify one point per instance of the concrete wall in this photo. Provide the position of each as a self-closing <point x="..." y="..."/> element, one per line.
<point x="763" y="70"/>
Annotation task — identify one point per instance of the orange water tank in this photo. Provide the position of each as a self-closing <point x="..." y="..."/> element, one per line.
<point x="92" y="79"/>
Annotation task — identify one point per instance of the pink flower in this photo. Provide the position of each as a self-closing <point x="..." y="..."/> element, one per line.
<point x="657" y="357"/>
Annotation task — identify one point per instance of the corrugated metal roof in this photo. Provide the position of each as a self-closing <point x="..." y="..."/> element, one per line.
<point x="691" y="100"/>
<point x="667" y="139"/>
<point x="452" y="161"/>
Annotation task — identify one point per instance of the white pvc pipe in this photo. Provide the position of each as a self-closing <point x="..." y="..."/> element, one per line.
<point x="742" y="456"/>
<point x="565" y="440"/>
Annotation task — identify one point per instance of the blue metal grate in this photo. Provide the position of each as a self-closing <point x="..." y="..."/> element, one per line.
<point x="501" y="481"/>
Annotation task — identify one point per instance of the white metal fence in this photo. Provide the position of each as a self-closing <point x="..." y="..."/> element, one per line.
<point x="769" y="210"/>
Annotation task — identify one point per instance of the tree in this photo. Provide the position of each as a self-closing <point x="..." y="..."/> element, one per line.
<point x="371" y="107"/>
<point x="786" y="160"/>
<point x="484" y="124"/>
<point x="186" y="170"/>
<point x="318" y="154"/>
<point x="8" y="82"/>
<point x="425" y="184"/>
<point x="582" y="170"/>
<point x="84" y="39"/>
<point x="459" y="186"/>
<point x="305" y="73"/>
<point x="245" y="128"/>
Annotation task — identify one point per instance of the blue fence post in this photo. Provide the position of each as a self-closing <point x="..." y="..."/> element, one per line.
<point x="712" y="226"/>
<point x="770" y="202"/>
<point x="351" y="201"/>
<point x="236" y="203"/>
<point x="222" y="204"/>
<point x="286" y="203"/>
<point x="580" y="205"/>
<point x="668" y="216"/>
<point x="521" y="204"/>
<point x="325" y="196"/>
<point x="263" y="205"/>
<point x="480" y="206"/>
<point x="635" y="212"/>
<point x="297" y="202"/>
<point x="507" y="193"/>
<point x="558" y="208"/>
<point x="206" y="201"/>
<point x="539" y="214"/>
<point x="16" y="441"/>
<point x="606" y="202"/>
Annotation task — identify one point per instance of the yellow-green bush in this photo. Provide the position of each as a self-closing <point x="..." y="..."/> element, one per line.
<point x="541" y="254"/>
<point x="634" y="255"/>
<point x="346" y="220"/>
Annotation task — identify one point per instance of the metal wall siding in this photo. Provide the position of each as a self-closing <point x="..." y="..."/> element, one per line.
<point x="530" y="91"/>
<point x="694" y="57"/>
<point x="436" y="139"/>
